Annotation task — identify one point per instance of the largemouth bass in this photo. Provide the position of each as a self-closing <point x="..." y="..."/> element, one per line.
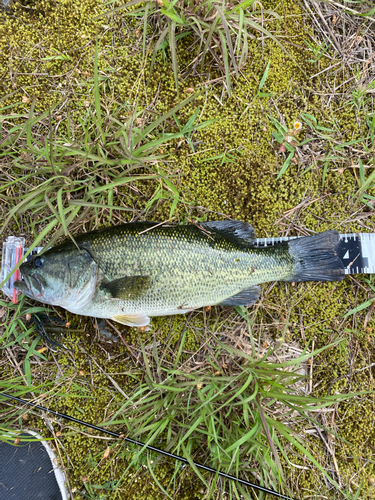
<point x="132" y="272"/>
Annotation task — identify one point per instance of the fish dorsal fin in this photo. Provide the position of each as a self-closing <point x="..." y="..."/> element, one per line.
<point x="241" y="233"/>
<point x="127" y="288"/>
<point x="244" y="298"/>
<point x="132" y="319"/>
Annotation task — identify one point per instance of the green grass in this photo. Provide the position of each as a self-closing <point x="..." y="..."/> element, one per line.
<point x="222" y="31"/>
<point x="105" y="155"/>
<point x="228" y="418"/>
<point x="335" y="150"/>
<point x="237" y="417"/>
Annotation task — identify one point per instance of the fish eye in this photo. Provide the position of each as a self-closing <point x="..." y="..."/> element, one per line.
<point x="39" y="262"/>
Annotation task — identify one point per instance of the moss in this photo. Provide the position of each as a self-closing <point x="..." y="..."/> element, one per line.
<point x="47" y="52"/>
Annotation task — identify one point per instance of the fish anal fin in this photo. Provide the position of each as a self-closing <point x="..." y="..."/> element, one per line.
<point x="127" y="288"/>
<point x="241" y="233"/>
<point x="132" y="319"/>
<point x="244" y="298"/>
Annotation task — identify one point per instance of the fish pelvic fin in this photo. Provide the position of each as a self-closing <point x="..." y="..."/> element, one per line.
<point x="244" y="298"/>
<point x="316" y="258"/>
<point x="132" y="319"/>
<point x="127" y="288"/>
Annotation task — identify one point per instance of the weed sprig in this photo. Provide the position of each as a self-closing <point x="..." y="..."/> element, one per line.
<point x="222" y="29"/>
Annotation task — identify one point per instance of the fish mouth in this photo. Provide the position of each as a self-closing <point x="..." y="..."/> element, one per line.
<point x="23" y="285"/>
<point x="30" y="286"/>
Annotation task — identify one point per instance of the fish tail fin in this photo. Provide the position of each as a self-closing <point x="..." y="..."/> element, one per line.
<point x="316" y="258"/>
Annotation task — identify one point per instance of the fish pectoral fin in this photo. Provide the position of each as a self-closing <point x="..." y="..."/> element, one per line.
<point x="127" y="288"/>
<point x="241" y="233"/>
<point x="244" y="298"/>
<point x="132" y="319"/>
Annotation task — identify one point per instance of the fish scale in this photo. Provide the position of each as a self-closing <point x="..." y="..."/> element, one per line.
<point x="184" y="281"/>
<point x="196" y="267"/>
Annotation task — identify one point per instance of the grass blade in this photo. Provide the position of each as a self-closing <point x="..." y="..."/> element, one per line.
<point x="228" y="38"/>
<point x="173" y="49"/>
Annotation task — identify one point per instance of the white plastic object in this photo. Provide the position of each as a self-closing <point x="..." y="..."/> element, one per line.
<point x="13" y="251"/>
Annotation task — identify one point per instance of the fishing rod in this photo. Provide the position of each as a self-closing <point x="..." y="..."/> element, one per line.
<point x="149" y="447"/>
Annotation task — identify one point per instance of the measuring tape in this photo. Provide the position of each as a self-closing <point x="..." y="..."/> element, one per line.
<point x="356" y="250"/>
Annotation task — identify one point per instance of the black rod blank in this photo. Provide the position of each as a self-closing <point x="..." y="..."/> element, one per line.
<point x="148" y="447"/>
